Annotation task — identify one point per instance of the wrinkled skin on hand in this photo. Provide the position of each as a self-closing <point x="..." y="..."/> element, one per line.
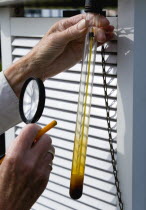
<point x="25" y="170"/>
<point x="62" y="46"/>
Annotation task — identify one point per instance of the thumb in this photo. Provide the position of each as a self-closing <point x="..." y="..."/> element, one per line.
<point x="74" y="32"/>
<point x="24" y="141"/>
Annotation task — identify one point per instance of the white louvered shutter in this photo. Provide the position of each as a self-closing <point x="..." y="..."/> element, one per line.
<point x="61" y="105"/>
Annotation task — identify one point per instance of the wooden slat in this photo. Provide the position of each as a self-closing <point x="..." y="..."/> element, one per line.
<point x="25" y="42"/>
<point x="76" y="77"/>
<point x="31" y="42"/>
<point x="94" y="202"/>
<point x="30" y="26"/>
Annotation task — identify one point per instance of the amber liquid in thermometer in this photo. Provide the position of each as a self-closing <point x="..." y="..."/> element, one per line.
<point x="83" y="116"/>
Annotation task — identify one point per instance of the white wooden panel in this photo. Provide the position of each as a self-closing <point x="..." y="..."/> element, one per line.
<point x="72" y="107"/>
<point x="31" y="42"/>
<point x="26" y="29"/>
<point x="104" y="186"/>
<point x="16" y="59"/>
<point x="68" y="86"/>
<point x="132" y="103"/>
<point x="25" y="42"/>
<point x="94" y="202"/>
<point x="42" y="204"/>
<point x="40" y="26"/>
<point x="110" y="69"/>
<point x="5" y="36"/>
<point x="54" y="94"/>
<point x="76" y="78"/>
<point x="20" y="51"/>
<point x="109" y="59"/>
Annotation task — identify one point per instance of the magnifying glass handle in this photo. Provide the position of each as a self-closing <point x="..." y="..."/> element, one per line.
<point x="45" y="129"/>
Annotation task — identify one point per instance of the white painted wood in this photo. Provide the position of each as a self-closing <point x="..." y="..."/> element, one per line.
<point x="139" y="109"/>
<point x="92" y="204"/>
<point x="31" y="42"/>
<point x="25" y="42"/>
<point x="110" y="59"/>
<point x="20" y="51"/>
<point x="40" y="26"/>
<point x="26" y="29"/>
<point x="132" y="103"/>
<point x="5" y="16"/>
<point x="74" y="87"/>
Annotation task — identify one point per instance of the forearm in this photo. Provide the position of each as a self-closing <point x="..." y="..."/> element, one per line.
<point x="17" y="73"/>
<point x="31" y="65"/>
<point x="59" y="49"/>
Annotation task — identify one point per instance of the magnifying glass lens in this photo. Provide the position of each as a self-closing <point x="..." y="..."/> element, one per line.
<point x="31" y="100"/>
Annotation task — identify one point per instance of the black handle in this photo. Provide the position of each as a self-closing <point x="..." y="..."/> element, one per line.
<point x="94" y="6"/>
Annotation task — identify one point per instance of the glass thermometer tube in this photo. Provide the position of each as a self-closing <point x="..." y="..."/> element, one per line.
<point x="83" y="115"/>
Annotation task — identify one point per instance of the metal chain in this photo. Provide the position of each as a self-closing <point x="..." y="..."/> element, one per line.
<point x="114" y="162"/>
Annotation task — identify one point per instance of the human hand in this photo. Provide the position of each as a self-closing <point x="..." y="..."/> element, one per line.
<point x="62" y="46"/>
<point x="25" y="170"/>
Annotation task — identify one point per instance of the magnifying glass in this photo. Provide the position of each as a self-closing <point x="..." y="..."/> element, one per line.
<point x="31" y="106"/>
<point x="32" y="100"/>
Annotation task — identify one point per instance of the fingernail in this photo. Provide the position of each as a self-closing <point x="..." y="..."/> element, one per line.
<point x="101" y="36"/>
<point x="82" y="24"/>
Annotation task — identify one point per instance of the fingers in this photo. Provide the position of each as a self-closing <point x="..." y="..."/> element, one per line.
<point x="72" y="33"/>
<point x="25" y="139"/>
<point x="74" y="20"/>
<point x="95" y="20"/>
<point x="41" y="148"/>
<point x="109" y="36"/>
<point x="23" y="144"/>
<point x="100" y="35"/>
<point x="48" y="159"/>
<point x="92" y="20"/>
<point x="104" y="34"/>
<point x="78" y="30"/>
<point x="51" y="152"/>
<point x="102" y="21"/>
<point x="98" y="20"/>
<point x="108" y="28"/>
<point x="76" y="27"/>
<point x="28" y="166"/>
<point x="67" y="22"/>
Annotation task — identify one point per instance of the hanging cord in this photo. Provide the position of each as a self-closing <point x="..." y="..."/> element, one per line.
<point x="114" y="162"/>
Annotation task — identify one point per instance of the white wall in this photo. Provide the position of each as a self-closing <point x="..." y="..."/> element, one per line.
<point x="132" y="103"/>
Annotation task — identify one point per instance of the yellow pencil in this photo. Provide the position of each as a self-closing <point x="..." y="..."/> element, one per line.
<point x="40" y="133"/>
<point x="45" y="129"/>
